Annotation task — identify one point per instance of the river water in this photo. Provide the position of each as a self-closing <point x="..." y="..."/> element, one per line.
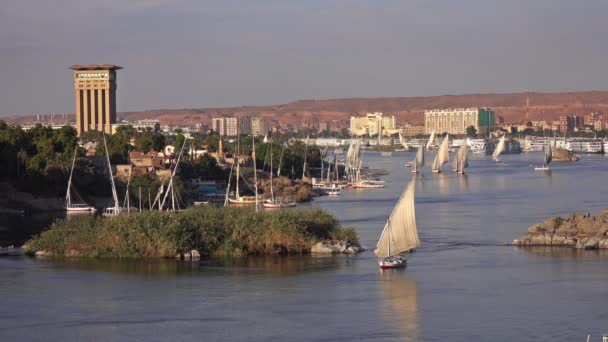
<point x="463" y="283"/>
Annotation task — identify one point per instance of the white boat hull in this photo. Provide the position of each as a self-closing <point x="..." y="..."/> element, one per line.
<point x="542" y="169"/>
<point x="392" y="262"/>
<point x="81" y="210"/>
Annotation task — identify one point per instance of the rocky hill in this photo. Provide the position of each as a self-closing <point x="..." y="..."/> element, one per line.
<point x="513" y="107"/>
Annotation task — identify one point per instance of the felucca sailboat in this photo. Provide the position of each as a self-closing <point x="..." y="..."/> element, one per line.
<point x="500" y="148"/>
<point x="429" y="144"/>
<point x="547" y="160"/>
<point x="400" y="233"/>
<point x="461" y="160"/>
<point x="419" y="161"/>
<point x="70" y="206"/>
<point x="442" y="155"/>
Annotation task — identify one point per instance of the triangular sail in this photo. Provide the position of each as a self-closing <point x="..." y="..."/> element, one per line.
<point x="548" y="155"/>
<point x="420" y="156"/>
<point x="443" y="153"/>
<point x="400" y="233"/>
<point x="435" y="165"/>
<point x="463" y="157"/>
<point x="429" y="144"/>
<point x="499" y="148"/>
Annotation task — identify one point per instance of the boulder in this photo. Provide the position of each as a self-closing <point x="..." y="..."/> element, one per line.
<point x="325" y="247"/>
<point x="353" y="250"/>
<point x="43" y="254"/>
<point x="195" y="254"/>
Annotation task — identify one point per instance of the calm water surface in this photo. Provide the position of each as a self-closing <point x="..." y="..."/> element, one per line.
<point x="463" y="284"/>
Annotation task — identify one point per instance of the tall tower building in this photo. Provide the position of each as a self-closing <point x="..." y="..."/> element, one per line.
<point x="95" y="91"/>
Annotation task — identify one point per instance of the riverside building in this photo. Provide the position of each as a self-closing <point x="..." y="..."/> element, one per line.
<point x="95" y="94"/>
<point x="456" y="120"/>
<point x="372" y="124"/>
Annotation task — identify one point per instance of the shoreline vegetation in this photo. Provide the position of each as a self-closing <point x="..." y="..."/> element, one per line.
<point x="581" y="231"/>
<point x="208" y="231"/>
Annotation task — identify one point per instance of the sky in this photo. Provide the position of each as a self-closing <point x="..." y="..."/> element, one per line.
<point x="198" y="53"/>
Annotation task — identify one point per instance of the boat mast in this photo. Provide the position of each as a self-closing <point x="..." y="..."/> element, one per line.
<point x="255" y="175"/>
<point x="114" y="195"/>
<point x="68" y="197"/>
<point x="271" y="190"/>
<point x="336" y="164"/>
<point x="179" y="157"/>
<point x="228" y="186"/>
<point x="281" y="160"/>
<point x="305" y="154"/>
<point x="238" y="166"/>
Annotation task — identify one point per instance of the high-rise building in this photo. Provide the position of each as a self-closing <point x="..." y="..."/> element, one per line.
<point x="218" y="125"/>
<point x="232" y="126"/>
<point x="372" y="124"/>
<point x="456" y="120"/>
<point x="95" y="93"/>
<point x="259" y="126"/>
<point x="570" y="122"/>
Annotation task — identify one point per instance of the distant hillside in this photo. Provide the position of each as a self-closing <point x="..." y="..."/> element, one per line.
<point x="513" y="107"/>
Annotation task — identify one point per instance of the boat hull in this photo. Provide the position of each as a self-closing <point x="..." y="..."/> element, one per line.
<point x="278" y="206"/>
<point x="392" y="262"/>
<point x="248" y="200"/>
<point x="542" y="169"/>
<point x="81" y="210"/>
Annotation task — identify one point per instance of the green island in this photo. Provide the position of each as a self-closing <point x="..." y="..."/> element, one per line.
<point x="210" y="231"/>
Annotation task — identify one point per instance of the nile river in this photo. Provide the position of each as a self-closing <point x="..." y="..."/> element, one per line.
<point x="463" y="283"/>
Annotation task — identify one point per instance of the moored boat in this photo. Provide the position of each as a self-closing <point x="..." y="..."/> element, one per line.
<point x="70" y="206"/>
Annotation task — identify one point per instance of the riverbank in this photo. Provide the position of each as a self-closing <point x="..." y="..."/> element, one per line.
<point x="209" y="231"/>
<point x="577" y="230"/>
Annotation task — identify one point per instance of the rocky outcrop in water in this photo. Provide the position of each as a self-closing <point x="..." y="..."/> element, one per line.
<point x="577" y="230"/>
<point x="561" y="155"/>
<point x="335" y="247"/>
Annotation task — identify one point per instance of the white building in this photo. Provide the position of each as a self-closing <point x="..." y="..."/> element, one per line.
<point x="231" y="126"/>
<point x="456" y="120"/>
<point x="372" y="124"/>
<point x="259" y="126"/>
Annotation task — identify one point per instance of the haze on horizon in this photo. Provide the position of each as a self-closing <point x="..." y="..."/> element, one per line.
<point x="190" y="53"/>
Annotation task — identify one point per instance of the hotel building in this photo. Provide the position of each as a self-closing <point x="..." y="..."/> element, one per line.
<point x="371" y="124"/>
<point x="95" y="93"/>
<point x="456" y="120"/>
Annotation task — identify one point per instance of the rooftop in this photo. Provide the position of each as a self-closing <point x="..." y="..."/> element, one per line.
<point x="95" y="67"/>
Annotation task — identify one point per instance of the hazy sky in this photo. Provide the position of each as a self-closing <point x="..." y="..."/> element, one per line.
<point x="193" y="53"/>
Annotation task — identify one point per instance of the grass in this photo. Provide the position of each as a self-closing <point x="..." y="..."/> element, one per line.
<point x="210" y="230"/>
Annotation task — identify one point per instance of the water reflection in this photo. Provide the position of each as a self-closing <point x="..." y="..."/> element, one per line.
<point x="463" y="181"/>
<point x="443" y="183"/>
<point x="561" y="252"/>
<point x="400" y="298"/>
<point x="253" y="265"/>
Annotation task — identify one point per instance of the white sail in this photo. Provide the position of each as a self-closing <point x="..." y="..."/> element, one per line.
<point x="499" y="148"/>
<point x="420" y="156"/>
<point x="403" y="143"/>
<point x="435" y="166"/>
<point x="548" y="155"/>
<point x="463" y="157"/>
<point x="400" y="233"/>
<point x="429" y="144"/>
<point x="443" y="152"/>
